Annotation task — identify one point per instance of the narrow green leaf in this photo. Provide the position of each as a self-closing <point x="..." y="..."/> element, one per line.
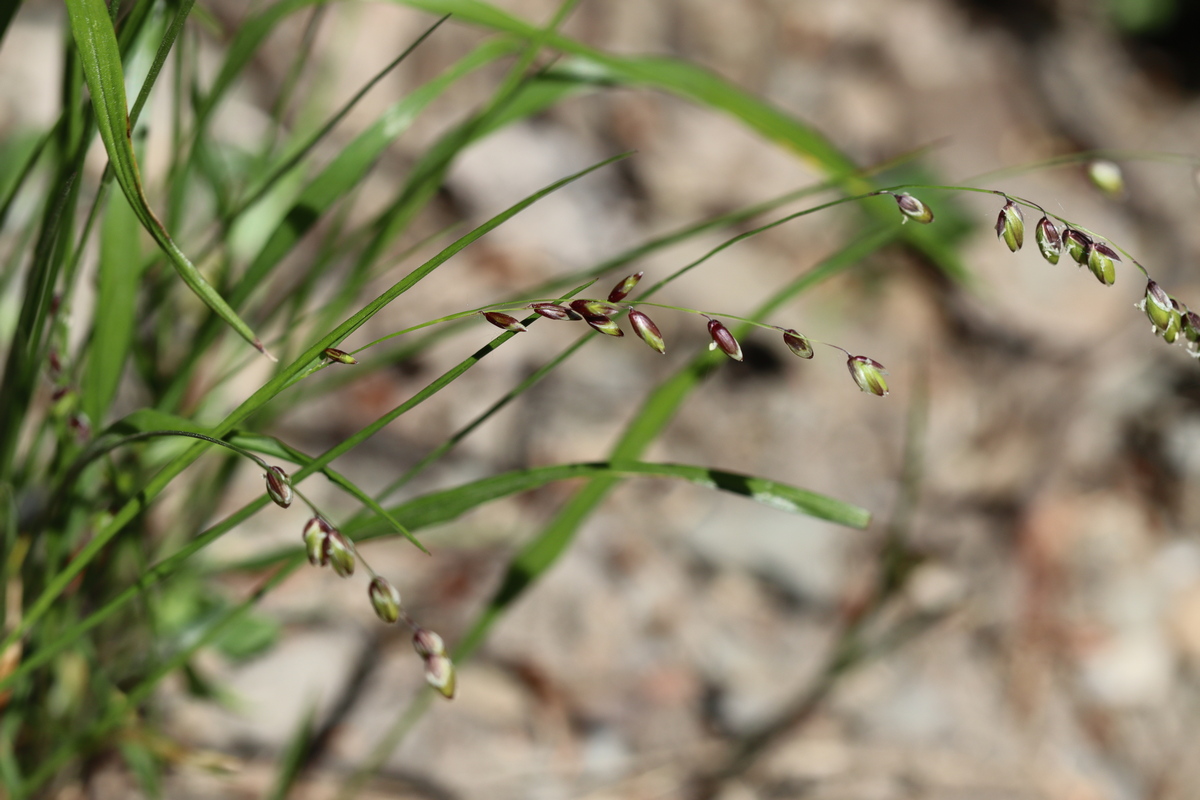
<point x="145" y="420"/>
<point x="250" y="636"/>
<point x="391" y="129"/>
<point x="18" y="156"/>
<point x="343" y="175"/>
<point x="23" y="362"/>
<point x="144" y="766"/>
<point x="353" y="162"/>
<point x="697" y="84"/>
<point x="250" y="35"/>
<point x="101" y="61"/>
<point x="116" y="304"/>
<point x="8" y="10"/>
<point x="443" y="506"/>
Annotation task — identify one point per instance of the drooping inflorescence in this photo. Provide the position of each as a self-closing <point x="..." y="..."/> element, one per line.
<point x="1169" y="318"/>
<point x="325" y="546"/>
<point x="601" y="316"/>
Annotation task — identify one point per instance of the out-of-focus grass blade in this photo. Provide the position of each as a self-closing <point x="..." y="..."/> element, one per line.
<point x="148" y="419"/>
<point x="291" y="762"/>
<point x="690" y="81"/>
<point x="10" y="770"/>
<point x="443" y="506"/>
<point x="390" y="120"/>
<point x="677" y="77"/>
<point x="351" y="165"/>
<point x="337" y="180"/>
<point x="76" y="741"/>
<point x="18" y="155"/>
<point x="267" y="445"/>
<point x="249" y="37"/>
<point x="8" y="10"/>
<point x="22" y="363"/>
<point x="101" y="61"/>
<point x="143" y="765"/>
<point x="116" y="303"/>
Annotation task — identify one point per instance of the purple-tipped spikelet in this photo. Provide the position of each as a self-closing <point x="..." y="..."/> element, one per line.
<point x="340" y="356"/>
<point x="1010" y="226"/>
<point x="798" y="344"/>
<point x="599" y="322"/>
<point x="1191" y="326"/>
<point x="605" y="325"/>
<point x="644" y="327"/>
<point x="385" y="599"/>
<point x="622" y="289"/>
<point x="723" y="338"/>
<point x="339" y="553"/>
<point x="868" y="374"/>
<point x="439" y="673"/>
<point x="439" y="669"/>
<point x="1158" y="306"/>
<point x="81" y="425"/>
<point x="504" y="321"/>
<point x="1100" y="258"/>
<point x="912" y="208"/>
<point x="279" y="488"/>
<point x="554" y="311"/>
<point x="1048" y="240"/>
<point x="1175" y="325"/>
<point x="594" y="308"/>
<point x="316" y="534"/>
<point x="1076" y="244"/>
<point x="427" y="643"/>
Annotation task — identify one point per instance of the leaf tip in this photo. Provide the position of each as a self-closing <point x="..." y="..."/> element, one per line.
<point x="258" y="345"/>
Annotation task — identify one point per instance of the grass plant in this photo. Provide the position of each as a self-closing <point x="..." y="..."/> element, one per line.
<point x="132" y="312"/>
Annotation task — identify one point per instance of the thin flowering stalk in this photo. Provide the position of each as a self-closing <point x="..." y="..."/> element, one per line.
<point x="464" y="315"/>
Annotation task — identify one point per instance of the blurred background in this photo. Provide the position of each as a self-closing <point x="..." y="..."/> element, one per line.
<point x="1031" y="473"/>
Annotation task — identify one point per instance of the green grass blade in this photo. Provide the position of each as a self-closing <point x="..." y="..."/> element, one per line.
<point x="438" y="507"/>
<point x="101" y="61"/>
<point x="305" y="364"/>
<point x="390" y="124"/>
<point x="116" y="304"/>
<point x="23" y="150"/>
<point x="343" y="175"/>
<point x="83" y="741"/>
<point x="8" y="10"/>
<point x="697" y="84"/>
<point x="22" y="363"/>
<point x="160" y="57"/>
<point x="144" y="766"/>
<point x="351" y="165"/>
<point x="672" y="75"/>
<point x="145" y="420"/>
<point x="249" y="37"/>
